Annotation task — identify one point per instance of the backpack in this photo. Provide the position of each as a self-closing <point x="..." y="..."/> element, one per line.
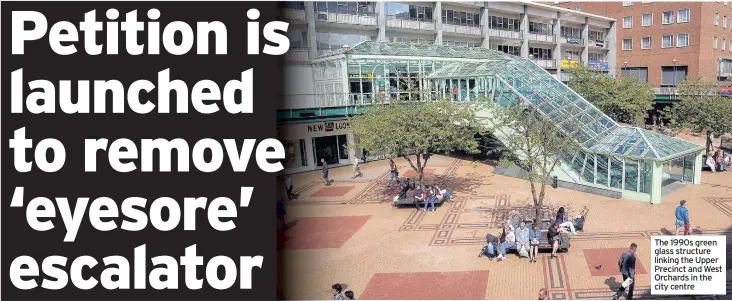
<point x="579" y="223"/>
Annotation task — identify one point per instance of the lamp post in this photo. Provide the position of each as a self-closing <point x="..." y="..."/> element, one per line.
<point x="673" y="95"/>
<point x="625" y="67"/>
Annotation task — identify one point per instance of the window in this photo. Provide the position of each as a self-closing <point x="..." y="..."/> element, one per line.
<point x="455" y="17"/>
<point x="502" y="23"/>
<point x="667" y="41"/>
<point x="572" y="55"/>
<point x="512" y="50"/>
<point x="541" y="53"/>
<point x="412" y="41"/>
<point x="461" y="44"/>
<point x="683" y="16"/>
<point x="715" y="43"/>
<point x="627" y="44"/>
<point x="346" y="7"/>
<point x="646" y="43"/>
<point x="627" y="3"/>
<point x="682" y="40"/>
<point x="730" y="46"/>
<point x="292" y="4"/>
<point x="647" y="20"/>
<point x="628" y="22"/>
<point x="298" y="38"/>
<point x="673" y="75"/>
<point x="639" y="72"/>
<point x="716" y="19"/>
<point x="571" y="32"/>
<point x="668" y="17"/>
<point x="597" y="36"/>
<point x="408" y="12"/>
<point x="724" y="44"/>
<point x="596" y="57"/>
<point x="541" y="28"/>
<point x="724" y="22"/>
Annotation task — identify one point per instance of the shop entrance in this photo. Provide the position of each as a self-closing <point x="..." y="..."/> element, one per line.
<point x="331" y="148"/>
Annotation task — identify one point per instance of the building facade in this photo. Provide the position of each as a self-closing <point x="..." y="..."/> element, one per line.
<point x="663" y="43"/>
<point x="316" y="102"/>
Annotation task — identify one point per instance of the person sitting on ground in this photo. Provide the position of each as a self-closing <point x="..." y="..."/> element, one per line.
<point x="553" y="236"/>
<point x="522" y="240"/>
<point x="563" y="222"/>
<point x="509" y="241"/>
<point x="535" y="236"/>
<point x="418" y="196"/>
<point x="349" y="295"/>
<point x="491" y="246"/>
<point x="443" y="193"/>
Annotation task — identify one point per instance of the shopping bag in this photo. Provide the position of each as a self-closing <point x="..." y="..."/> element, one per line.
<point x="628" y="281"/>
<point x="523" y="252"/>
<point x="687" y="229"/>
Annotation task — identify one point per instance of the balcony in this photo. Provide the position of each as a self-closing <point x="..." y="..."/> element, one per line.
<point x="344" y="18"/>
<point x="393" y="22"/>
<point x="541" y="38"/>
<point x="599" y="44"/>
<point x="573" y="41"/>
<point x="297" y="54"/>
<point x="665" y="91"/>
<point x="505" y="34"/>
<point x="546" y="63"/>
<point x="293" y="14"/>
<point x="461" y="29"/>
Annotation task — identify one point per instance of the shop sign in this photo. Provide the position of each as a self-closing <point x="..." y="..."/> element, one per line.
<point x="329" y="126"/>
<point x="569" y="63"/>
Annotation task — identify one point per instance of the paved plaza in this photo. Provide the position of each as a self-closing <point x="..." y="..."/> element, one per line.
<point x="350" y="233"/>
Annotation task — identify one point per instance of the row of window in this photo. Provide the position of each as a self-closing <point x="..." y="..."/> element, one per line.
<point x="724" y="21"/>
<point x="667" y="41"/>
<point x="670" y="75"/>
<point x="724" y="44"/>
<point x="682" y="15"/>
<point x="409" y="12"/>
<point x="345" y="7"/>
<point x="503" y="23"/>
<point x="455" y="17"/>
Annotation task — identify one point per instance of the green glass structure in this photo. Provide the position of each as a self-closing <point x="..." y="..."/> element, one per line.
<point x="632" y="161"/>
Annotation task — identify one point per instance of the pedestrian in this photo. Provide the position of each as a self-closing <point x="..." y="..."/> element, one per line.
<point x="336" y="291"/>
<point x="626" y="263"/>
<point x="543" y="294"/>
<point x="356" y="169"/>
<point x="535" y="235"/>
<point x="281" y="211"/>
<point x="289" y="188"/>
<point x="393" y="173"/>
<point x="682" y="218"/>
<point x="349" y="295"/>
<point x="553" y="236"/>
<point x="325" y="172"/>
<point x="364" y="155"/>
<point x="654" y="119"/>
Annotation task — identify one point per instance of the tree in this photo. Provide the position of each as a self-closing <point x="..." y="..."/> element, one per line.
<point x="426" y="128"/>
<point x="535" y="144"/>
<point x="701" y="109"/>
<point x="626" y="99"/>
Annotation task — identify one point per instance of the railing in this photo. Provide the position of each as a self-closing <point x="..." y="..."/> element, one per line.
<point x="599" y="44"/>
<point x="331" y="100"/>
<point x="505" y="33"/>
<point x="297" y="54"/>
<point x="462" y="29"/>
<point x="391" y="21"/>
<point x="542" y="38"/>
<point x="546" y="63"/>
<point x="344" y="18"/>
<point x="665" y="90"/>
<point x="573" y="41"/>
<point x="293" y="14"/>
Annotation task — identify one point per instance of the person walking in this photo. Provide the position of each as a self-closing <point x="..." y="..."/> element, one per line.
<point x="325" y="172"/>
<point x="393" y="173"/>
<point x="626" y="263"/>
<point x="356" y="169"/>
<point x="289" y="188"/>
<point x="682" y="218"/>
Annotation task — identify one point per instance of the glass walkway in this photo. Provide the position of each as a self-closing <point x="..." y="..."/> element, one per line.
<point x="615" y="157"/>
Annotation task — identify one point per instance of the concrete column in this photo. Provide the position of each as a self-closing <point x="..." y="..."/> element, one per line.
<point x="698" y="164"/>
<point x="525" y="32"/>
<point x="557" y="53"/>
<point x="381" y="20"/>
<point x="312" y="34"/>
<point x="612" y="55"/>
<point x="353" y="152"/>
<point x="484" y="21"/>
<point x="656" y="179"/>
<point x="586" y="38"/>
<point x="437" y="14"/>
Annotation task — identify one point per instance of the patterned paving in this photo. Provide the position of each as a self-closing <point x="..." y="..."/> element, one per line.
<point x="722" y="204"/>
<point x="322" y="232"/>
<point x="604" y="261"/>
<point x="330" y="191"/>
<point x="427" y="286"/>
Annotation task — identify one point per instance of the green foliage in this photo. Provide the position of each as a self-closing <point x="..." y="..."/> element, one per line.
<point x="422" y="127"/>
<point x="625" y="99"/>
<point x="701" y="109"/>
<point x="535" y="144"/>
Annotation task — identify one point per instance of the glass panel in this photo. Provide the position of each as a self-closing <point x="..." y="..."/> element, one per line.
<point x="616" y="173"/>
<point x="589" y="173"/>
<point x="602" y="170"/>
<point x="631" y="175"/>
<point x="689" y="168"/>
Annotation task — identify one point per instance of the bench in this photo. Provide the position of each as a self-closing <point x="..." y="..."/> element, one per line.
<point x="411" y="201"/>
<point x="544" y="241"/>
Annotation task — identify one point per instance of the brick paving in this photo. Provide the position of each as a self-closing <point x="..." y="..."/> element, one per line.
<point x="383" y="252"/>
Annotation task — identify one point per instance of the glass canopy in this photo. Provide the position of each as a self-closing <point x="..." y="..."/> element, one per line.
<point x="612" y="155"/>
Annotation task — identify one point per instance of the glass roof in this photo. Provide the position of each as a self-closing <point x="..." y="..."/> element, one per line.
<point x="522" y="78"/>
<point x="404" y="49"/>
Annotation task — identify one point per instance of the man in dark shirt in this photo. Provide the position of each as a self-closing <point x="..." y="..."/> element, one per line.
<point x="418" y="196"/>
<point x="626" y="263"/>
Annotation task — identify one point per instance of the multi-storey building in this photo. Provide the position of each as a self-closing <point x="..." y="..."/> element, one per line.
<point x="313" y="116"/>
<point x="663" y="43"/>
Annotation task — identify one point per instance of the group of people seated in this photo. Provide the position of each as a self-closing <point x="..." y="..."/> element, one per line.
<point x="719" y="160"/>
<point x="427" y="194"/>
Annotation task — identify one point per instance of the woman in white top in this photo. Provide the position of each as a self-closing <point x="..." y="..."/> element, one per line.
<point x="710" y="162"/>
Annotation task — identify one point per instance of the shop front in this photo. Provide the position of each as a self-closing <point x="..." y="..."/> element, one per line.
<point x="306" y="144"/>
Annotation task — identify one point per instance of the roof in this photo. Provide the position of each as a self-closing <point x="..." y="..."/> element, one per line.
<point x="421" y="50"/>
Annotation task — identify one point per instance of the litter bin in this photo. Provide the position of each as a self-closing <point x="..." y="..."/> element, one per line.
<point x="555" y="182"/>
